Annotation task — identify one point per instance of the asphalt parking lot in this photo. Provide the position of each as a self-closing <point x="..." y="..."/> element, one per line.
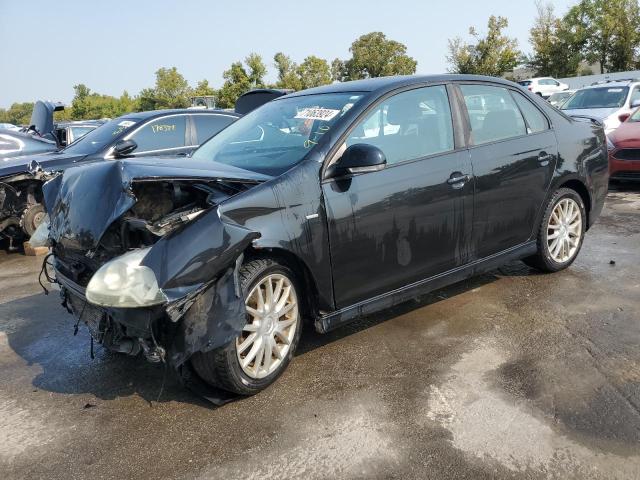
<point x="513" y="374"/>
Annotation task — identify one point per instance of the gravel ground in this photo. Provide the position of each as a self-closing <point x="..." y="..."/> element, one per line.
<point x="511" y="375"/>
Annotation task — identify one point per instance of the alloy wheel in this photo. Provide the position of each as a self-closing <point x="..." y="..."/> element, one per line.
<point x="564" y="230"/>
<point x="272" y="311"/>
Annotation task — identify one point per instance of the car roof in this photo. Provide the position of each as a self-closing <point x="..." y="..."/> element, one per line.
<point x="384" y="84"/>
<point x="159" y="113"/>
<point x="612" y="84"/>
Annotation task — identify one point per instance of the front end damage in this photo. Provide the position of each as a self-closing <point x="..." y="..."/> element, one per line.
<point x="144" y="259"/>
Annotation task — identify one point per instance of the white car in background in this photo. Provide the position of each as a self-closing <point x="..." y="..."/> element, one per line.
<point x="610" y="102"/>
<point x="544" y="86"/>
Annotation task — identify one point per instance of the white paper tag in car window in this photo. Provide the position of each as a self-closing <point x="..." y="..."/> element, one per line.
<point x="614" y="90"/>
<point x="316" y="113"/>
<point x="126" y="123"/>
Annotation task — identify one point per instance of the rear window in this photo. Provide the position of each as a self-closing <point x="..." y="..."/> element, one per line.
<point x="601" y="97"/>
<point x="208" y="125"/>
<point x="525" y="83"/>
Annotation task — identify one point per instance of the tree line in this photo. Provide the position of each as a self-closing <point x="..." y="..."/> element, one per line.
<point x="604" y="32"/>
<point x="372" y="55"/>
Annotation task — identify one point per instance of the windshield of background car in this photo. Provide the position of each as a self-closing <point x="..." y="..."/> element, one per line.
<point x="635" y="116"/>
<point x="276" y="136"/>
<point x="525" y="83"/>
<point x="601" y="97"/>
<point x="100" y="137"/>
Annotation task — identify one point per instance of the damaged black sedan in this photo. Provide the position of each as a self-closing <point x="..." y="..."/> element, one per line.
<point x="323" y="205"/>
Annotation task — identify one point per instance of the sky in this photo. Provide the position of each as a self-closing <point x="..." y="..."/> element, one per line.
<point x="47" y="47"/>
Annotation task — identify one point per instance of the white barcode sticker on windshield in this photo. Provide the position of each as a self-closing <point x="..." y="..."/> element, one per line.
<point x="614" y="90"/>
<point x="316" y="113"/>
<point x="126" y="123"/>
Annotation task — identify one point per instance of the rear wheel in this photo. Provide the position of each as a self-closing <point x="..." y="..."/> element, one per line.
<point x="268" y="340"/>
<point x="561" y="232"/>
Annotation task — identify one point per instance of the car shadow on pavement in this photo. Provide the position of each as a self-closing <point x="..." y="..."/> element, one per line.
<point x="40" y="333"/>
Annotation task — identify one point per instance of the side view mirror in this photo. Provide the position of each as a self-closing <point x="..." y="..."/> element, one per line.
<point x="358" y="158"/>
<point x="123" y="148"/>
<point x="635" y="103"/>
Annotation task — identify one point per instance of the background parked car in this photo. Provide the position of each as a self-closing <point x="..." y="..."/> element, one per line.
<point x="158" y="132"/>
<point x="559" y="98"/>
<point x="68" y="132"/>
<point x="624" y="150"/>
<point x="9" y="126"/>
<point x="544" y="86"/>
<point x="609" y="102"/>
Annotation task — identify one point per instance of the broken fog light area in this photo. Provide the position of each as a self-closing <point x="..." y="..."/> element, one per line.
<point x="124" y="283"/>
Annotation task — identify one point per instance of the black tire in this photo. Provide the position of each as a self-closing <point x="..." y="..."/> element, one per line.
<point x="221" y="368"/>
<point x="543" y="260"/>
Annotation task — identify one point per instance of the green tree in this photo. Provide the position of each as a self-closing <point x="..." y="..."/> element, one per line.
<point x="556" y="48"/>
<point x="239" y="80"/>
<point x="171" y="90"/>
<point x="17" y="114"/>
<point x="373" y="55"/>
<point x="493" y="54"/>
<point x="203" y="89"/>
<point x="314" y="72"/>
<point x="287" y="72"/>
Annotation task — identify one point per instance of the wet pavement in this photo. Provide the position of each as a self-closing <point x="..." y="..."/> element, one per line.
<point x="513" y="374"/>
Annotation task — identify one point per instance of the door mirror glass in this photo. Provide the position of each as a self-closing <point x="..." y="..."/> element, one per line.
<point x="123" y="148"/>
<point x="358" y="158"/>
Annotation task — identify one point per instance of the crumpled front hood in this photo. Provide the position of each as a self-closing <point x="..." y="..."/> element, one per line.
<point x="46" y="161"/>
<point x="84" y="201"/>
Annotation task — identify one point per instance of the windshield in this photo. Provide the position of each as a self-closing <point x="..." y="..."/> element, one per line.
<point x="100" y="137"/>
<point x="602" y="97"/>
<point x="276" y="136"/>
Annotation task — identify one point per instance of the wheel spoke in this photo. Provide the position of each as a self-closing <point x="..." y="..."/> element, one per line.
<point x="553" y="235"/>
<point x="277" y="293"/>
<point x="268" y="286"/>
<point x="252" y="353"/>
<point x="553" y="245"/>
<point x="246" y="343"/>
<point x="283" y="298"/>
<point x="253" y="312"/>
<point x="260" y="298"/>
<point x="268" y="354"/>
<point x="286" y="309"/>
<point x="250" y="327"/>
<point x="282" y="337"/>
<point x="278" y="351"/>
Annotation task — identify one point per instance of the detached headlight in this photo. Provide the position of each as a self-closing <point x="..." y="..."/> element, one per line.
<point x="124" y="283"/>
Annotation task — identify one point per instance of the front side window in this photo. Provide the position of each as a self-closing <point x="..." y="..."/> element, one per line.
<point x="600" y="97"/>
<point x="536" y="121"/>
<point x="635" y="95"/>
<point x="100" y="137"/>
<point x="493" y="113"/>
<point x="409" y="125"/>
<point x="161" y="134"/>
<point x="273" y="138"/>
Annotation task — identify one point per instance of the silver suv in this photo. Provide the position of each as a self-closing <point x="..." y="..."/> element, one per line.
<point x="610" y="102"/>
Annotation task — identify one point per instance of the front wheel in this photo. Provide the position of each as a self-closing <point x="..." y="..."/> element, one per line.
<point x="268" y="340"/>
<point x="561" y="232"/>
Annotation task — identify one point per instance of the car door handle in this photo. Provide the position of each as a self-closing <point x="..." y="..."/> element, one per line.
<point x="544" y="158"/>
<point x="457" y="180"/>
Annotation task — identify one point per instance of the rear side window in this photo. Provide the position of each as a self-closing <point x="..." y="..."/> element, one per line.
<point x="208" y="125"/>
<point x="536" y="121"/>
<point x="409" y="125"/>
<point x="493" y="113"/>
<point x="161" y="134"/>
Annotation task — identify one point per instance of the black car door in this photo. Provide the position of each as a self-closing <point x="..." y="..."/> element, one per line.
<point x="408" y="221"/>
<point x="513" y="155"/>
